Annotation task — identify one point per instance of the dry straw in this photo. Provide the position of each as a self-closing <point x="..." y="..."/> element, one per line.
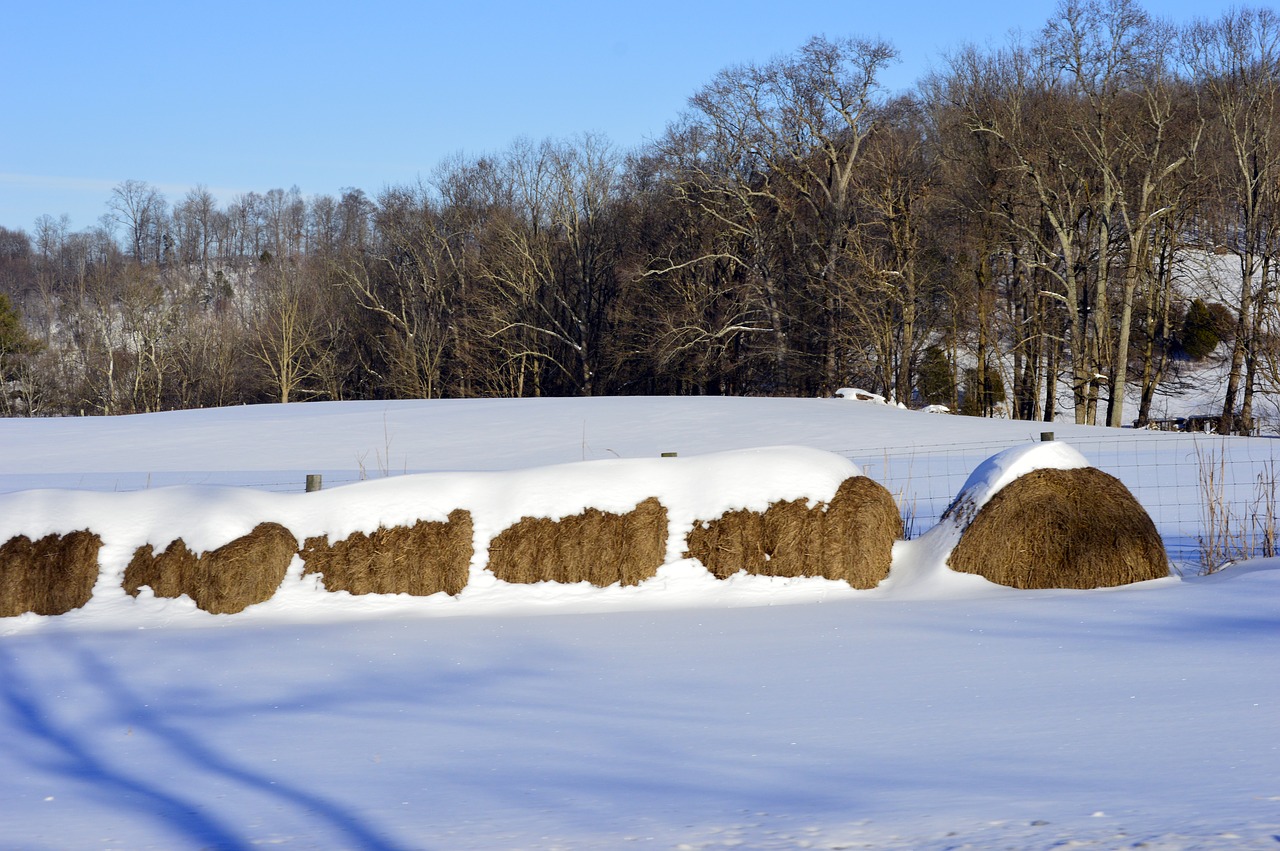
<point x="50" y="576"/>
<point x="594" y="546"/>
<point x="849" y="539"/>
<point x="423" y="559"/>
<point x="1076" y="528"/>
<point x="224" y="581"/>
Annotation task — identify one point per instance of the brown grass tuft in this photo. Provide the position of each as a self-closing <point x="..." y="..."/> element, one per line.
<point x="423" y="559"/>
<point x="594" y="546"/>
<point x="851" y="538"/>
<point x="224" y="581"/>
<point x="50" y="576"/>
<point x="1062" y="529"/>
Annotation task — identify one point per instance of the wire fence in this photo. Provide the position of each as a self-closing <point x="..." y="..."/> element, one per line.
<point x="275" y="481"/>
<point x="1212" y="498"/>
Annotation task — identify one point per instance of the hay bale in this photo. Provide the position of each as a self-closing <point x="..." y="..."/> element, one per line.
<point x="50" y="576"/>
<point x="423" y="559"/>
<point x="851" y="538"/>
<point x="224" y="581"/>
<point x="595" y="546"/>
<point x="1051" y="528"/>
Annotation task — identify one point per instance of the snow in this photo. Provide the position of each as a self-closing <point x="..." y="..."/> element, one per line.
<point x="855" y="394"/>
<point x="1004" y="467"/>
<point x="936" y="711"/>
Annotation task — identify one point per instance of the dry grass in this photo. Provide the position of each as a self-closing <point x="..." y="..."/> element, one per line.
<point x="1264" y="520"/>
<point x="1062" y="529"/>
<point x="50" y="576"/>
<point x="594" y="546"/>
<point x="1220" y="538"/>
<point x="423" y="559"/>
<point x="224" y="581"/>
<point x="850" y="539"/>
<point x="1228" y="531"/>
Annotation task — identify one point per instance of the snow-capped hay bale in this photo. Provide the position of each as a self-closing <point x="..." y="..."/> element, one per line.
<point x="851" y="538"/>
<point x="594" y="546"/>
<point x="224" y="581"/>
<point x="423" y="559"/>
<point x="1055" y="528"/>
<point x="48" y="576"/>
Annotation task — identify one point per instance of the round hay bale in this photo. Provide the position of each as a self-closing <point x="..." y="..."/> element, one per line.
<point x="1053" y="528"/>
<point x="851" y="538"/>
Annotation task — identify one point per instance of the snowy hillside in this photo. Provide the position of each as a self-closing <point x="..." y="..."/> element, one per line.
<point x="943" y="712"/>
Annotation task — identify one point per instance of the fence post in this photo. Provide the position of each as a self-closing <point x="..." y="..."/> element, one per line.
<point x="1046" y="437"/>
<point x="313" y="482"/>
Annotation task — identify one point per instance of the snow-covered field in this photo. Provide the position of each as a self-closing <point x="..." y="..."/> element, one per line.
<point x="752" y="713"/>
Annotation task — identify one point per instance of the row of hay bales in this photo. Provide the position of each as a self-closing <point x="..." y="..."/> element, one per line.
<point x="849" y="539"/>
<point x="1073" y="528"/>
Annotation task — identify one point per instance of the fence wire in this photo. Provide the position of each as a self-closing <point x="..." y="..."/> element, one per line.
<point x="1212" y="498"/>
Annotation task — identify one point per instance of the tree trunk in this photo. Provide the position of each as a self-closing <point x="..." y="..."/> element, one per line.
<point x="1244" y="326"/>
<point x="1115" y="407"/>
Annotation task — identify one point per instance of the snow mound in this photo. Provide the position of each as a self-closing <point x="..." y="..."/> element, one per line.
<point x="857" y="395"/>
<point x="1003" y="467"/>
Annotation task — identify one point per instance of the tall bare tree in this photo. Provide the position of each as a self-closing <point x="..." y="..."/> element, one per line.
<point x="1115" y="60"/>
<point x="1236" y="63"/>
<point x="784" y="142"/>
<point x="140" y="209"/>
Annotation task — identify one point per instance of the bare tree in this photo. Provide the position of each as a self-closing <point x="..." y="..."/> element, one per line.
<point x="195" y="225"/>
<point x="1236" y="61"/>
<point x="551" y="265"/>
<point x="405" y="281"/>
<point x="1012" y="98"/>
<point x="1115" y="60"/>
<point x="287" y="330"/>
<point x="785" y="139"/>
<point x="140" y="209"/>
<point x="887" y="282"/>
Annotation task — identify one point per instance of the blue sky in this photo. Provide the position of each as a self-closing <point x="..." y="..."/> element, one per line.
<point x="240" y="96"/>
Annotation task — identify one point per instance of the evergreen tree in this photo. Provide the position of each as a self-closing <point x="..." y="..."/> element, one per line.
<point x="14" y="339"/>
<point x="15" y="344"/>
<point x="1199" y="337"/>
<point x="935" y="378"/>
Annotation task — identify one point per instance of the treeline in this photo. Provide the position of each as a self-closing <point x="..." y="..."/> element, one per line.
<point x="1020" y="234"/>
